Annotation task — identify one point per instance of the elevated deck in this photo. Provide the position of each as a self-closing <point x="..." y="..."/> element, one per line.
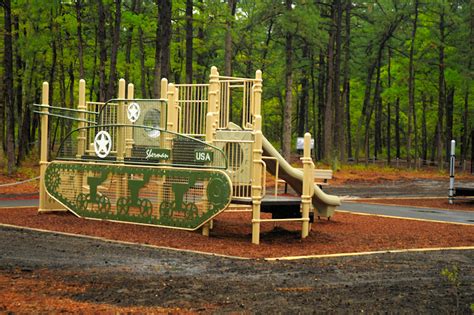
<point x="281" y="207"/>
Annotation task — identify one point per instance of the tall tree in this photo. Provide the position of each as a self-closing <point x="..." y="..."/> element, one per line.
<point x="329" y="110"/>
<point x="114" y="51"/>
<point x="346" y="98"/>
<point x="288" y="105"/>
<point x="101" y="39"/>
<point x="339" y="124"/>
<point x="189" y="41"/>
<point x="80" y="40"/>
<point x="441" y="89"/>
<point x="162" y="44"/>
<point x="411" y="85"/>
<point x="8" y="79"/>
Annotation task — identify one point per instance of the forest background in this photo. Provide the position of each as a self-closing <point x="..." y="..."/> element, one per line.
<point x="369" y="79"/>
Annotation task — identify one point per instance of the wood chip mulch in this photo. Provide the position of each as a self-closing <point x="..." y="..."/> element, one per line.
<point x="344" y="233"/>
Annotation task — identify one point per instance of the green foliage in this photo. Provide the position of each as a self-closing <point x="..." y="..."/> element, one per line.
<point x="453" y="277"/>
<point x="46" y="44"/>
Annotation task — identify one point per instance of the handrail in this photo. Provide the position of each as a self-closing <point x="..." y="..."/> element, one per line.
<point x="276" y="172"/>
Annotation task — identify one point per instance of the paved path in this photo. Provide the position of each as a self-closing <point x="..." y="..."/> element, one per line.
<point x="11" y="203"/>
<point x="457" y="216"/>
<point x="466" y="217"/>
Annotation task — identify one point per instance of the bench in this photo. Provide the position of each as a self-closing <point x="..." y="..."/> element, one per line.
<point x="321" y="177"/>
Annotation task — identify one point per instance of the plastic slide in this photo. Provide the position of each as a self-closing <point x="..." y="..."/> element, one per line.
<point x="324" y="203"/>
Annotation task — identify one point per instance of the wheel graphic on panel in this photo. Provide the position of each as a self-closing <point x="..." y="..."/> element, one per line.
<point x="165" y="209"/>
<point x="191" y="211"/>
<point x="103" y="204"/>
<point x="53" y="178"/>
<point x="82" y="201"/>
<point x="123" y="203"/>
<point x="145" y="207"/>
<point x="218" y="191"/>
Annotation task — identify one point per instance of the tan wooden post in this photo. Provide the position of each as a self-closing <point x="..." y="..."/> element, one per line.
<point x="256" y="179"/>
<point x="257" y="91"/>
<point x="81" y="139"/>
<point x="171" y="119"/>
<point x="44" y="145"/>
<point x="45" y="203"/>
<point x="257" y="151"/>
<point x="213" y="96"/>
<point x="308" y="182"/>
<point x="209" y="139"/>
<point x="120" y="138"/>
<point x="164" y="96"/>
<point x="129" y="130"/>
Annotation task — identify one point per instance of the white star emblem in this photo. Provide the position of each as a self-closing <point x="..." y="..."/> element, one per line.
<point x="133" y="112"/>
<point x="102" y="144"/>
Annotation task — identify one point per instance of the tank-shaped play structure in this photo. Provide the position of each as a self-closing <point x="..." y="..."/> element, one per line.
<point x="175" y="162"/>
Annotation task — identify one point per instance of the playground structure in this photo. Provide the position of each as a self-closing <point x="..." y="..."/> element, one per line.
<point x="175" y="162"/>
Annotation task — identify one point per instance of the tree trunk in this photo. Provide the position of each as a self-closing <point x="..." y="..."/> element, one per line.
<point x="101" y="38"/>
<point x="231" y="5"/>
<point x="389" y="114"/>
<point x="8" y="83"/>
<point x="304" y="96"/>
<point x="397" y="127"/>
<point x="20" y="76"/>
<point x="424" y="131"/>
<point x="321" y="104"/>
<point x="441" y="93"/>
<point x="52" y="76"/>
<point x="449" y="121"/>
<point x="165" y="21"/>
<point x="115" y="47"/>
<point x="365" y="108"/>
<point x="189" y="41"/>
<point x="465" y="120"/>
<point x="346" y="81"/>
<point x="80" y="40"/>
<point x="314" y="123"/>
<point x="338" y="104"/>
<point x="328" y="131"/>
<point x="286" y="147"/>
<point x="128" y="45"/>
<point x="162" y="42"/>
<point x="141" y="47"/>
<point x="411" y="86"/>
<point x="370" y="109"/>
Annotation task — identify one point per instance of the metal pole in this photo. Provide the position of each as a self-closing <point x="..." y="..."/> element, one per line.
<point x="452" y="162"/>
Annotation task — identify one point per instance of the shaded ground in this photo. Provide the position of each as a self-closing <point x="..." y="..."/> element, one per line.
<point x="46" y="272"/>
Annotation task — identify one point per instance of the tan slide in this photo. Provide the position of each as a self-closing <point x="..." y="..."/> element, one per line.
<point x="324" y="203"/>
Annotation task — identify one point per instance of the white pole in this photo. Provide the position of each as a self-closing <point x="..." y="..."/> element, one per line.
<point x="452" y="162"/>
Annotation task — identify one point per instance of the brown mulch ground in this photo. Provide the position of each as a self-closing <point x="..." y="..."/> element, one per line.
<point x="232" y="234"/>
<point x="27" y="294"/>
<point x="438" y="203"/>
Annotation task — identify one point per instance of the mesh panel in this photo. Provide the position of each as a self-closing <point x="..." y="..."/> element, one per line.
<point x="183" y="198"/>
<point x="193" y="104"/>
<point x="147" y="145"/>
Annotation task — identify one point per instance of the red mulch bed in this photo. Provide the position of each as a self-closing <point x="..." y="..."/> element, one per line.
<point x="232" y="234"/>
<point x="438" y="203"/>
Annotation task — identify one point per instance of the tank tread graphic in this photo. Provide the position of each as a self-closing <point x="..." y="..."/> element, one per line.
<point x="175" y="197"/>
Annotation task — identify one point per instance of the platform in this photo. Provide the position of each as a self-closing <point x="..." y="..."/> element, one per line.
<point x="464" y="191"/>
<point x="281" y="207"/>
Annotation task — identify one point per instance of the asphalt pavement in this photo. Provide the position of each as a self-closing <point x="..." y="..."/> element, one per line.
<point x="432" y="214"/>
